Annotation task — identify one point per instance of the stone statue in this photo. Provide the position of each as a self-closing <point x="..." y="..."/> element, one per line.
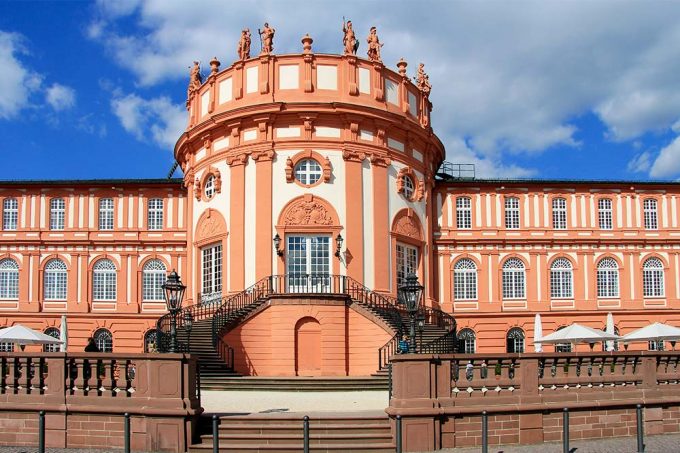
<point x="267" y="39"/>
<point x="423" y="80"/>
<point x="244" y="45"/>
<point x="374" y="45"/>
<point x="195" y="79"/>
<point x="349" y="39"/>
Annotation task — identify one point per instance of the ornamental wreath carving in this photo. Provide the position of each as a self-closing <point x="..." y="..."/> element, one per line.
<point x="308" y="213"/>
<point x="210" y="226"/>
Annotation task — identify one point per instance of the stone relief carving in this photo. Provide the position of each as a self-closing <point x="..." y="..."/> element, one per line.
<point x="210" y="226"/>
<point x="308" y="213"/>
<point x="197" y="189"/>
<point x="423" y="80"/>
<point x="406" y="226"/>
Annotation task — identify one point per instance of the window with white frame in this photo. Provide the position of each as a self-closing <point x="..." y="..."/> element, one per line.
<point x="656" y="345"/>
<point x="57" y="211"/>
<point x="212" y="270"/>
<point x="513" y="279"/>
<point x="209" y="186"/>
<point x="155" y="214"/>
<point x="463" y="213"/>
<point x="407" y="262"/>
<point x="650" y="218"/>
<point x="153" y="278"/>
<point x="512" y="213"/>
<point x="652" y="278"/>
<point x="604" y="213"/>
<point x="9" y="279"/>
<point x="104" y="280"/>
<point x="607" y="278"/>
<point x="559" y="213"/>
<point x="54" y="333"/>
<point x="106" y="214"/>
<point x="104" y="340"/>
<point x="515" y="341"/>
<point x="467" y="341"/>
<point x="55" y="280"/>
<point x="465" y="280"/>
<point x="10" y="214"/>
<point x="6" y="346"/>
<point x="308" y="172"/>
<point x="561" y="279"/>
<point x="408" y="187"/>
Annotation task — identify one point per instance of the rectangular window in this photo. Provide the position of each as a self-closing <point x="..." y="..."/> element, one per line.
<point x="512" y="213"/>
<point x="10" y="214"/>
<point x="607" y="283"/>
<point x="650" y="218"/>
<point x="559" y="213"/>
<point x="155" y="214"/>
<point x="106" y="214"/>
<point x="212" y="270"/>
<point x="407" y="262"/>
<point x="604" y="213"/>
<point x="463" y="213"/>
<point x="57" y="210"/>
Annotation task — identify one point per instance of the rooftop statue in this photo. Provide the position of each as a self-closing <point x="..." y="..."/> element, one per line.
<point x="244" y="45"/>
<point x="195" y="79"/>
<point x="266" y="39"/>
<point x="374" y="46"/>
<point x="423" y="80"/>
<point x="349" y="39"/>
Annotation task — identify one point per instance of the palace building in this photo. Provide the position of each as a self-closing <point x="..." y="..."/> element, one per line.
<point x="313" y="184"/>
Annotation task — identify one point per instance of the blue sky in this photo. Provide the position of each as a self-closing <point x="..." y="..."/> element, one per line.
<point x="576" y="90"/>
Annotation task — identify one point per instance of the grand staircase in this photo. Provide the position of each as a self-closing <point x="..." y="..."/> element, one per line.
<point x="212" y="320"/>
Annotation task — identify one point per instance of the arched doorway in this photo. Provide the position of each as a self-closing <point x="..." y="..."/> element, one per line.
<point x="308" y="347"/>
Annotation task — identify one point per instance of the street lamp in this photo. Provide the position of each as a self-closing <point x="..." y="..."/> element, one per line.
<point x="174" y="294"/>
<point x="188" y="325"/>
<point x="338" y="245"/>
<point x="409" y="294"/>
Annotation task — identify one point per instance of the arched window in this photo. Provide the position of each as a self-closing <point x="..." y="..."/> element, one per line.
<point x="308" y="172"/>
<point x="515" y="340"/>
<point x="564" y="347"/>
<point x="209" y="186"/>
<point x="57" y="210"/>
<point x="106" y="214"/>
<point x="150" y="340"/>
<point x="607" y="278"/>
<point x="513" y="279"/>
<point x="10" y="214"/>
<point x="9" y="279"/>
<point x="512" y="213"/>
<point x="155" y="214"/>
<point x="467" y="341"/>
<point x="604" y="213"/>
<point x="104" y="280"/>
<point x="465" y="280"/>
<point x="559" y="213"/>
<point x="463" y="213"/>
<point x="55" y="280"/>
<point x="652" y="278"/>
<point x="650" y="218"/>
<point x="54" y="333"/>
<point x="153" y="277"/>
<point x="104" y="340"/>
<point x="561" y="279"/>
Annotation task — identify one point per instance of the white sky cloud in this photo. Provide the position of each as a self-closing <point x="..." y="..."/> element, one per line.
<point x="640" y="163"/>
<point x="16" y="81"/>
<point x="508" y="77"/>
<point x="157" y="117"/>
<point x="60" y="97"/>
<point x="667" y="164"/>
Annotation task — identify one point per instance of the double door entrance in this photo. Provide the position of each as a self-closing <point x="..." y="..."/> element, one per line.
<point x="308" y="263"/>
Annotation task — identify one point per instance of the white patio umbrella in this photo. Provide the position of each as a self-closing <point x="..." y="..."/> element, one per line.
<point x="610" y="330"/>
<point x="577" y="333"/>
<point x="63" y="334"/>
<point x="654" y="332"/>
<point x="21" y="335"/>
<point x="538" y="333"/>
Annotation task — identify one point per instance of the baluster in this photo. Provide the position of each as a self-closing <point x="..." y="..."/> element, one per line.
<point x="24" y="373"/>
<point x="104" y="377"/>
<point x="4" y="372"/>
<point x="80" y="370"/>
<point x="13" y="377"/>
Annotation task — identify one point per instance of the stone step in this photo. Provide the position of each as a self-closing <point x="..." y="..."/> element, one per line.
<point x="282" y="448"/>
<point x="297" y="438"/>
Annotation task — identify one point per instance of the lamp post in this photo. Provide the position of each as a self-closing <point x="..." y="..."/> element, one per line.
<point x="174" y="294"/>
<point x="409" y="295"/>
<point x="188" y="325"/>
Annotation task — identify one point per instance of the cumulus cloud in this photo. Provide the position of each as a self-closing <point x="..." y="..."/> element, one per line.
<point x="668" y="162"/>
<point x="507" y="77"/>
<point x="17" y="83"/>
<point x="60" y="97"/>
<point x="157" y="119"/>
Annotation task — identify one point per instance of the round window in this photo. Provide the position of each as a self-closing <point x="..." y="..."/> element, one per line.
<point x="308" y="172"/>
<point x="408" y="186"/>
<point x="210" y="187"/>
